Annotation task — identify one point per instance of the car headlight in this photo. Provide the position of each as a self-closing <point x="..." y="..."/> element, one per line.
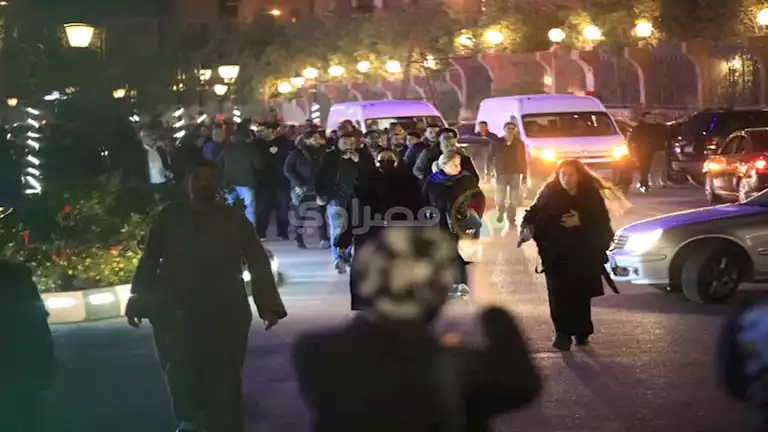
<point x="642" y="242"/>
<point x="548" y="155"/>
<point x="620" y="151"/>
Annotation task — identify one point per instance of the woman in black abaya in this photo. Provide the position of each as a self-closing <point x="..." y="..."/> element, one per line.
<point x="572" y="228"/>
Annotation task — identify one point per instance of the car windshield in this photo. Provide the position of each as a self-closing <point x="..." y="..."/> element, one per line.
<point x="567" y="125"/>
<point x="416" y="123"/>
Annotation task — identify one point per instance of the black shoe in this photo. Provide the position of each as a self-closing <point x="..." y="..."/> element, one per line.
<point x="581" y="340"/>
<point x="500" y="218"/>
<point x="643" y="188"/>
<point x="341" y="267"/>
<point x="300" y="243"/>
<point x="284" y="237"/>
<point x="562" y="342"/>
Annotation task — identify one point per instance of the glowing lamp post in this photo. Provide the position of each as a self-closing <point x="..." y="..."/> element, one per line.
<point x="298" y="81"/>
<point x="364" y="66"/>
<point x="393" y="67"/>
<point x="592" y="34"/>
<point x="643" y="29"/>
<point x="310" y="73"/>
<point x="220" y="89"/>
<point x="119" y="93"/>
<point x="79" y="35"/>
<point x="12" y="102"/>
<point x="556" y="35"/>
<point x="203" y="75"/>
<point x="229" y="73"/>
<point x="336" y="71"/>
<point x="493" y="37"/>
<point x="284" y="87"/>
<point x="762" y="17"/>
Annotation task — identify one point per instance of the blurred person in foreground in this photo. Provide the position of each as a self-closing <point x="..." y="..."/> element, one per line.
<point x="28" y="363"/>
<point x="571" y="225"/>
<point x="388" y="370"/>
<point x="743" y="354"/>
<point x="459" y="203"/>
<point x="189" y="284"/>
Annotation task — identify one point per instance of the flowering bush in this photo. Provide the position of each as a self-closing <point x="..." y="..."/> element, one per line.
<point x="82" y="239"/>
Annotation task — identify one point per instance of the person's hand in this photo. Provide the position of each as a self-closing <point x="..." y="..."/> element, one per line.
<point x="133" y="312"/>
<point x="570" y="219"/>
<point x="526" y="234"/>
<point x="270" y="322"/>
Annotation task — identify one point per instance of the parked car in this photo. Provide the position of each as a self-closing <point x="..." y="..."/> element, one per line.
<point x="704" y="253"/>
<point x="739" y="170"/>
<point x="694" y="138"/>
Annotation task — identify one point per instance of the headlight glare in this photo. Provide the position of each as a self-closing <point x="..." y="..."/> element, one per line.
<point x="642" y="242"/>
<point x="620" y="151"/>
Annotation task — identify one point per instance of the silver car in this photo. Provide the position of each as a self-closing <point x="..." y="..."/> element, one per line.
<point x="705" y="253"/>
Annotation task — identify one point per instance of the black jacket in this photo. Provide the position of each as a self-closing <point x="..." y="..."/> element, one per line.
<point x="428" y="157"/>
<point x="274" y="153"/>
<point x="647" y="138"/>
<point x="240" y="163"/>
<point x="302" y="165"/>
<point x="28" y="363"/>
<point x="508" y="158"/>
<point x="578" y="249"/>
<point x="385" y="377"/>
<point x="337" y="178"/>
<point x="413" y="153"/>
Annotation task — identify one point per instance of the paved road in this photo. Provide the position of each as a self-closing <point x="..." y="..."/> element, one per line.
<point x="649" y="369"/>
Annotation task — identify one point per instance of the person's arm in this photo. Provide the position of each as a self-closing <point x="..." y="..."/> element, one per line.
<point x="490" y="158"/>
<point x="469" y="166"/>
<point x="145" y="278"/>
<point x="504" y="375"/>
<point x="412" y="155"/>
<point x="263" y="282"/>
<point x="289" y="169"/>
<point x="522" y="156"/>
<point x="423" y="167"/>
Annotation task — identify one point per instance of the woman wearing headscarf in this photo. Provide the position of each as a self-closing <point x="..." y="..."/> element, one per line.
<point x="572" y="228"/>
<point x="459" y="203"/>
<point x="387" y="371"/>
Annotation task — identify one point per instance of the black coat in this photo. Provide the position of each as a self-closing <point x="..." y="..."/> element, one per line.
<point x="302" y="164"/>
<point x="27" y="363"/>
<point x="272" y="176"/>
<point x="337" y="178"/>
<point x="413" y="153"/>
<point x="385" y="377"/>
<point x="578" y="250"/>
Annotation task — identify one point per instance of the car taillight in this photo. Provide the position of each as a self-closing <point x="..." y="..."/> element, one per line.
<point x="761" y="164"/>
<point x="712" y="145"/>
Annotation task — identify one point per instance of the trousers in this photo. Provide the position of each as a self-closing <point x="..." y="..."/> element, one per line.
<point x="508" y="194"/>
<point x="273" y="201"/>
<point x="337" y="222"/>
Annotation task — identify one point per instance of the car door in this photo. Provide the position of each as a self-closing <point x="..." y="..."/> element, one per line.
<point x="717" y="166"/>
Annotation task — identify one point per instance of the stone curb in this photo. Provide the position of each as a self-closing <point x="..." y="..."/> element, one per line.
<point x="86" y="305"/>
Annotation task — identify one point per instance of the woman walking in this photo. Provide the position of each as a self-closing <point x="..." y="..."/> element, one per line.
<point x="460" y="204"/>
<point x="572" y="228"/>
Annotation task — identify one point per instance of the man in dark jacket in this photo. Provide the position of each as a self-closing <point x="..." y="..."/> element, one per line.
<point x="274" y="192"/>
<point x="431" y="139"/>
<point x="425" y="165"/>
<point x="336" y="181"/>
<point x="189" y="284"/>
<point x="481" y="152"/>
<point x="508" y="159"/>
<point x="241" y="164"/>
<point x="301" y="168"/>
<point x="645" y="140"/>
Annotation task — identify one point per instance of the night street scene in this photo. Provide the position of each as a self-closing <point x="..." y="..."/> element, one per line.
<point x="383" y="216"/>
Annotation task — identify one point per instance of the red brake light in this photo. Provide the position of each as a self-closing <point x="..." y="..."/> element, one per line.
<point x="761" y="164"/>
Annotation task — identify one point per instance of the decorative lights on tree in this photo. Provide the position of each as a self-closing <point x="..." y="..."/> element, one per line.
<point x="32" y="177"/>
<point x="179" y="124"/>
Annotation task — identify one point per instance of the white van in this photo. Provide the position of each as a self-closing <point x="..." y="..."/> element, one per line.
<point x="377" y="115"/>
<point x="557" y="127"/>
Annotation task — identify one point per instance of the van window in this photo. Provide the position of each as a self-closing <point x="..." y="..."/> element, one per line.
<point x="418" y="123"/>
<point x="568" y="125"/>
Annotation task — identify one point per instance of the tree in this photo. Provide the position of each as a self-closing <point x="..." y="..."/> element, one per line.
<point x="711" y="20"/>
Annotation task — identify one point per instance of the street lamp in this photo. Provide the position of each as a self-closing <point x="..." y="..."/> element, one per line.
<point x="493" y="37"/>
<point x="310" y="73"/>
<point x="593" y="33"/>
<point x="79" y="35"/>
<point x="284" y="87"/>
<point x="275" y="12"/>
<point x="220" y="89"/>
<point x="12" y="102"/>
<point x="430" y="62"/>
<point x="119" y="93"/>
<point x="465" y="39"/>
<point x="204" y="75"/>
<point x="298" y="81"/>
<point x="229" y="73"/>
<point x="556" y="35"/>
<point x="363" y="66"/>
<point x="336" y="71"/>
<point x="762" y="17"/>
<point x="393" y="66"/>
<point x="643" y="29"/>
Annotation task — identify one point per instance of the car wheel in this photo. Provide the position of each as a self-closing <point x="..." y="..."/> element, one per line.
<point x="709" y="190"/>
<point x="697" y="179"/>
<point x="711" y="274"/>
<point x="743" y="191"/>
<point x="677" y="178"/>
